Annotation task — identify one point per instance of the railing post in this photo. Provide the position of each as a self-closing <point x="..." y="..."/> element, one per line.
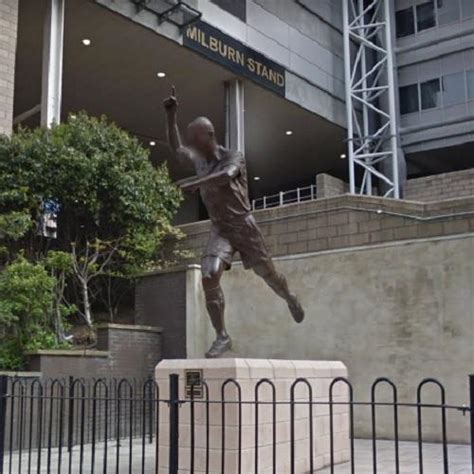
<point x="70" y="418"/>
<point x="174" y="423"/>
<point x="281" y="198"/>
<point x="3" y="416"/>
<point x="471" y="415"/>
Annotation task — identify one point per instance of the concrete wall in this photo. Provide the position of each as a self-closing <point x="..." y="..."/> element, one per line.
<point x="401" y="310"/>
<point x="347" y="221"/>
<point x="441" y="186"/>
<point x="8" y="38"/>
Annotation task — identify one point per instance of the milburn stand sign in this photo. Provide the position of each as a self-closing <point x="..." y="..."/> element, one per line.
<point x="234" y="55"/>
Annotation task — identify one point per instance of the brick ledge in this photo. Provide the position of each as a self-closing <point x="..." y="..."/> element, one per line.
<point x="411" y="209"/>
<point x="69" y="353"/>
<point x="130" y="327"/>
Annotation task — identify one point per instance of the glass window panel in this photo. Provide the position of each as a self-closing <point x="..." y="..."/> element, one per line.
<point x="449" y="11"/>
<point x="409" y="99"/>
<point x="467" y="7"/>
<point x="238" y="7"/>
<point x="453" y="89"/>
<point x="430" y="94"/>
<point x="454" y="62"/>
<point x="470" y="84"/>
<point x="425" y="16"/>
<point x="405" y="22"/>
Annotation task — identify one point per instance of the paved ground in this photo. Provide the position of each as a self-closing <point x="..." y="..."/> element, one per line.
<point x="458" y="455"/>
<point x="459" y="460"/>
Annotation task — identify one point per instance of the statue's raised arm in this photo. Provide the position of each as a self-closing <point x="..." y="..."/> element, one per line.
<point x="170" y="104"/>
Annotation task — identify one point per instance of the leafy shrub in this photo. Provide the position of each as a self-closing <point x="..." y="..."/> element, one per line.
<point x="26" y="303"/>
<point x="114" y="209"/>
<point x="11" y="355"/>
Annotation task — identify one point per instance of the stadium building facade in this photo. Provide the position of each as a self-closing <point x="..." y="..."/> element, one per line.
<point x="270" y="74"/>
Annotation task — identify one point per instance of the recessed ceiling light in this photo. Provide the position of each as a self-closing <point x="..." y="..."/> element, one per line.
<point x="256" y="178"/>
<point x="152" y="143"/>
<point x="86" y="42"/>
<point x="289" y="132"/>
<point x="343" y="156"/>
<point x="161" y="74"/>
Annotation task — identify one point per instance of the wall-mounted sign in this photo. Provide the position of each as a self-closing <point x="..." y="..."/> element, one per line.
<point x="234" y="55"/>
<point x="194" y="386"/>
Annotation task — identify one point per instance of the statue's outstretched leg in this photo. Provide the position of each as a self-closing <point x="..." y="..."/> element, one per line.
<point x="212" y="269"/>
<point x="277" y="282"/>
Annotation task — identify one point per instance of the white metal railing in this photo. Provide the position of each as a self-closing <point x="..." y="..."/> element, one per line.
<point x="282" y="198"/>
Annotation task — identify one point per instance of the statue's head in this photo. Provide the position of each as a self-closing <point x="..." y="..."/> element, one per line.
<point x="201" y="136"/>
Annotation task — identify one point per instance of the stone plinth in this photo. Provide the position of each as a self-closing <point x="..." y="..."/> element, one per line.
<point x="247" y="373"/>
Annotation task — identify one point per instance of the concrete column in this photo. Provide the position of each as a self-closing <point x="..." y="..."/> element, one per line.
<point x="8" y="32"/>
<point x="52" y="63"/>
<point x="235" y="115"/>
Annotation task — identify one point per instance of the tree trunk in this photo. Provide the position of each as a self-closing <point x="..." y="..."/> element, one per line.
<point x="59" y="325"/>
<point x="61" y="337"/>
<point x="86" y="303"/>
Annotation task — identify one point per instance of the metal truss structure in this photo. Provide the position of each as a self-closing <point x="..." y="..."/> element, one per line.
<point x="370" y="97"/>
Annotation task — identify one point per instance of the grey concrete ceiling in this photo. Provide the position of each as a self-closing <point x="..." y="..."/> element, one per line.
<point x="116" y="76"/>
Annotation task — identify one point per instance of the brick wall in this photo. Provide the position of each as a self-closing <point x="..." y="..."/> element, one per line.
<point x="428" y="189"/>
<point x="122" y="351"/>
<point x="128" y="352"/>
<point x="441" y="186"/>
<point x="8" y="38"/>
<point x="160" y="300"/>
<point x="347" y="221"/>
<point x="329" y="186"/>
<point x="134" y="350"/>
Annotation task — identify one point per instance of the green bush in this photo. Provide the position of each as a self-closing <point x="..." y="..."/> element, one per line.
<point x="100" y="177"/>
<point x="114" y="208"/>
<point x="26" y="303"/>
<point x="11" y="355"/>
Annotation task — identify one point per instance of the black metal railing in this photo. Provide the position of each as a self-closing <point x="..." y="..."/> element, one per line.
<point x="108" y="425"/>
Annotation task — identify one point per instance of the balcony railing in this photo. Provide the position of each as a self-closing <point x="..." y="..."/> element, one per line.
<point x="307" y="193"/>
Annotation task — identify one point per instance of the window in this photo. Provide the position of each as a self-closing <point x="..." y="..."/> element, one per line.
<point x="409" y="99"/>
<point x="425" y="16"/>
<point x="467" y="7"/>
<point x="237" y="8"/>
<point x="405" y="22"/>
<point x="470" y="84"/>
<point x="454" y="90"/>
<point x="449" y="11"/>
<point x="430" y="94"/>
